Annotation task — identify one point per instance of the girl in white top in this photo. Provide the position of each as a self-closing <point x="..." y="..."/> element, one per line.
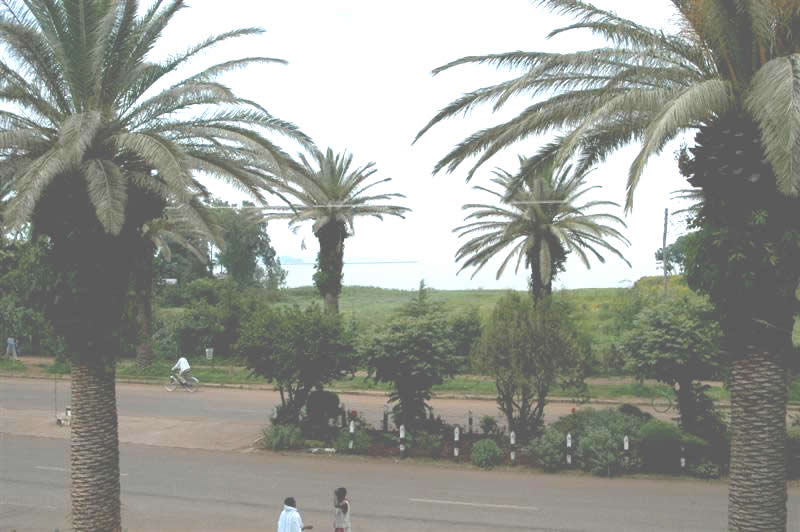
<point x="341" y="518"/>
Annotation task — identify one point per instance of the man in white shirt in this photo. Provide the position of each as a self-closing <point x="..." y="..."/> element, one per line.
<point x="183" y="367"/>
<point x="290" y="520"/>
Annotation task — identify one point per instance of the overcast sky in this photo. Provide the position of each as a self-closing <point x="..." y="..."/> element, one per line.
<point x="358" y="79"/>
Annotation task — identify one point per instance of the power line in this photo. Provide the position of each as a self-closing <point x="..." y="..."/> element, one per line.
<point x="346" y="263"/>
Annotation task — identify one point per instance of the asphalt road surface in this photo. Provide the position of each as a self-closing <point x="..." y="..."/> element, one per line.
<point x="179" y="489"/>
<point x="187" y="464"/>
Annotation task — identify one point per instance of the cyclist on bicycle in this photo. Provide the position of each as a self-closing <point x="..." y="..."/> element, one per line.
<point x="183" y="369"/>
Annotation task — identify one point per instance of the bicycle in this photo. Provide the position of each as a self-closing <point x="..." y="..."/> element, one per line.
<point x="663" y="402"/>
<point x="188" y="383"/>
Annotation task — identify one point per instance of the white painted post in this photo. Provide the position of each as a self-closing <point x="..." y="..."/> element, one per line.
<point x="513" y="438"/>
<point x="626" y="443"/>
<point x="352" y="432"/>
<point x="403" y="441"/>
<point x="456" y="437"/>
<point x="683" y="458"/>
<point x="209" y="353"/>
<point x="569" y="448"/>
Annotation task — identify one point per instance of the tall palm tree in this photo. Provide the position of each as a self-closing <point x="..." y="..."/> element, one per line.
<point x="542" y="222"/>
<point x="332" y="194"/>
<point x="174" y="228"/>
<point x="96" y="140"/>
<point x="730" y="70"/>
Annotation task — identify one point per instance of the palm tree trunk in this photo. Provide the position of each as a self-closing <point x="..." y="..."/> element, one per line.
<point x="330" y="261"/>
<point x="143" y="285"/>
<point x="757" y="488"/>
<point x="94" y="457"/>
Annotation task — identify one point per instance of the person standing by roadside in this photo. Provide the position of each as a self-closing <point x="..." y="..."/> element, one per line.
<point x="290" y="520"/>
<point x="341" y="504"/>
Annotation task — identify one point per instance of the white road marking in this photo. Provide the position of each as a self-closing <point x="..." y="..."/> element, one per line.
<point x="37" y="506"/>
<point x="477" y="504"/>
<point x="63" y="470"/>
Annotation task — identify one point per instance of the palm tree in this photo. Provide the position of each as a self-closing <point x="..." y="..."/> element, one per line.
<point x="542" y="222"/>
<point x="331" y="194"/>
<point x="730" y="71"/>
<point x="96" y="140"/>
<point x="175" y="227"/>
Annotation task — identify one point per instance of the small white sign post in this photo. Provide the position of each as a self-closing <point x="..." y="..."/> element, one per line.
<point x="456" y="436"/>
<point x="209" y="353"/>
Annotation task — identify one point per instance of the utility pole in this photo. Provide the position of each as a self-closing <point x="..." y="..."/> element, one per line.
<point x="664" y="251"/>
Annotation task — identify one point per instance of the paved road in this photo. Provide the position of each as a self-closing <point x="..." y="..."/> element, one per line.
<point x="178" y="489"/>
<point x="213" y="419"/>
<point x="250" y="406"/>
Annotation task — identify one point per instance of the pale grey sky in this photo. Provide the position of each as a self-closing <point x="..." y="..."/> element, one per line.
<point x="359" y="79"/>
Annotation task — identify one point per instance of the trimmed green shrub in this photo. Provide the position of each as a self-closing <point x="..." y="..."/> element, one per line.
<point x="635" y="411"/>
<point x="548" y="450"/>
<point x="427" y="444"/>
<point x="705" y="469"/>
<point x="660" y="447"/>
<point x="361" y="442"/>
<point x="282" y="437"/>
<point x="486" y="454"/>
<point x="793" y="452"/>
<point x="617" y="423"/>
<point x="601" y="453"/>
<point x="489" y="426"/>
<point x="696" y="450"/>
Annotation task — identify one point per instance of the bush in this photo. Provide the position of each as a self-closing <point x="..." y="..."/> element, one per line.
<point x="618" y="423"/>
<point x="321" y="407"/>
<point x="548" y="450"/>
<point x="601" y="453"/>
<point x="660" y="447"/>
<point x="486" y="454"/>
<point x="361" y="442"/>
<point x="635" y="411"/>
<point x="489" y="426"/>
<point x="793" y="453"/>
<point x="282" y="437"/>
<point x="697" y="450"/>
<point x="427" y="444"/>
<point x="705" y="469"/>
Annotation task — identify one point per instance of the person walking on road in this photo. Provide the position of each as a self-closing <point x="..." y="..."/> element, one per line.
<point x="341" y="504"/>
<point x="290" y="520"/>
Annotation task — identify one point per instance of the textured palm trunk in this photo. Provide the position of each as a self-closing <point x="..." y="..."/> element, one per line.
<point x="143" y="286"/>
<point x="757" y="488"/>
<point x="94" y="457"/>
<point x="328" y="277"/>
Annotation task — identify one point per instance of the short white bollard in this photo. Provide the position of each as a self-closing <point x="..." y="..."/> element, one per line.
<point x="569" y="448"/>
<point x="403" y="441"/>
<point x="352" y="432"/>
<point x="456" y="437"/>
<point x="626" y="443"/>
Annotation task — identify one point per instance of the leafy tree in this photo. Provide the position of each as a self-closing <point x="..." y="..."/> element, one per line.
<point x="676" y="341"/>
<point x="528" y="350"/>
<point x="298" y="349"/>
<point x="730" y="70"/>
<point x="248" y="255"/>
<point x="413" y="352"/>
<point x="465" y="331"/>
<point x="676" y="255"/>
<point x="332" y="195"/>
<point x="542" y="221"/>
<point x="173" y="229"/>
<point x="94" y="146"/>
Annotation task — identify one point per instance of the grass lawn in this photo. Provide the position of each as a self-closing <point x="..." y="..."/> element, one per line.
<point x="226" y="372"/>
<point x="11" y="365"/>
